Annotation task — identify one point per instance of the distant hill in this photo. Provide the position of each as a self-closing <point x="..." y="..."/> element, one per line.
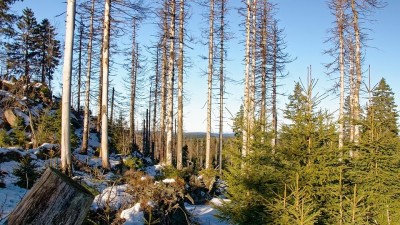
<point x="203" y="134"/>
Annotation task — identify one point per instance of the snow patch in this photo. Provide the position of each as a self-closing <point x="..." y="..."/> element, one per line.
<point x="115" y="197"/>
<point x="133" y="215"/>
<point x="169" y="180"/>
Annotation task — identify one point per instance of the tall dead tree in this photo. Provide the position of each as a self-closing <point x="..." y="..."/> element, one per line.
<point x="80" y="49"/>
<point x="170" y="94"/>
<point x="179" y="144"/>
<point x="210" y="81"/>
<point x="86" y="119"/>
<point x="246" y="105"/>
<point x="222" y="13"/>
<point x="105" y="68"/>
<point x="133" y="79"/>
<point x="155" y="146"/>
<point x="164" y="71"/>
<point x="356" y="97"/>
<point x="264" y="63"/>
<point x="66" y="163"/>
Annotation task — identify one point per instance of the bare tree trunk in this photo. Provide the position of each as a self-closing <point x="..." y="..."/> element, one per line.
<point x="80" y="49"/>
<point x="104" y="106"/>
<point x="221" y="83"/>
<point x="164" y="70"/>
<point x="170" y="113"/>
<point x="155" y="103"/>
<point x="179" y="144"/>
<point x="245" y="144"/>
<point x="133" y="89"/>
<point x="98" y="127"/>
<point x="340" y="25"/>
<point x="274" y="84"/>
<point x="252" y="91"/>
<point x="358" y="73"/>
<point x="210" y="78"/>
<point x="352" y="89"/>
<point x="264" y="55"/>
<point x="86" y="119"/>
<point x="112" y="108"/>
<point x="66" y="164"/>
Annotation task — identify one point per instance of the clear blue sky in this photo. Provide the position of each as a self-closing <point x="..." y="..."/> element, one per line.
<point x="305" y="22"/>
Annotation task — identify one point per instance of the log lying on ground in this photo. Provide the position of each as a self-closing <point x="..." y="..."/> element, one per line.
<point x="54" y="199"/>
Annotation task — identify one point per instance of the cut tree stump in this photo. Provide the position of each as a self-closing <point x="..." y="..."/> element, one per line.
<point x="53" y="199"/>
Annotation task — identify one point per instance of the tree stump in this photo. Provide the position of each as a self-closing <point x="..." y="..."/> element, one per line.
<point x="54" y="199"/>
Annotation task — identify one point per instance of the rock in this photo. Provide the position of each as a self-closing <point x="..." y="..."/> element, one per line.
<point x="10" y="116"/>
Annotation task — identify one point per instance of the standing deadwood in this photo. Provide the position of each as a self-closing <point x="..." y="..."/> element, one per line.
<point x="252" y="79"/>
<point x="170" y="97"/>
<point x="264" y="62"/>
<point x="274" y="84"/>
<point x="105" y="65"/>
<point x="133" y="89"/>
<point x="98" y="126"/>
<point x="245" y="144"/>
<point x="356" y="98"/>
<point x="210" y="78"/>
<point x="112" y="107"/>
<point x="86" y="119"/>
<point x="164" y="70"/>
<point x="340" y="30"/>
<point x="66" y="164"/>
<point x="221" y="82"/>
<point x="155" y="147"/>
<point x="179" y="144"/>
<point x="54" y="199"/>
<point x="80" y="49"/>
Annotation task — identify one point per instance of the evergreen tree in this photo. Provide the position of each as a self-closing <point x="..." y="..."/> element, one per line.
<point x="252" y="180"/>
<point x="22" y="53"/>
<point x="376" y="162"/>
<point x="311" y="162"/>
<point x="49" y="51"/>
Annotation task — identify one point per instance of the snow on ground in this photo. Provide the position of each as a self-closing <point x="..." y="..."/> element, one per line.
<point x="133" y="215"/>
<point x="115" y="197"/>
<point x="153" y="170"/>
<point x="21" y="114"/>
<point x="169" y="180"/>
<point x="205" y="214"/>
<point x="9" y="198"/>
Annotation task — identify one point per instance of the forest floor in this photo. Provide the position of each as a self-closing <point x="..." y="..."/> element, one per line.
<point x="109" y="194"/>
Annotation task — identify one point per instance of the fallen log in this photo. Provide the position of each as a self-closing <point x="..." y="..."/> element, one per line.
<point x="53" y="199"/>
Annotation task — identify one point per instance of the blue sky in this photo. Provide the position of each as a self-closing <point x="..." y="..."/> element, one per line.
<point x="305" y="22"/>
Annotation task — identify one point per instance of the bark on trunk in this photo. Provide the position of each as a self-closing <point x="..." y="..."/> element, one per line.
<point x="210" y="78"/>
<point x="104" y="106"/>
<point x="340" y="25"/>
<point x="221" y="83"/>
<point x="86" y="119"/>
<point x="179" y="144"/>
<point x="66" y="163"/>
<point x="358" y="73"/>
<point x="170" y="113"/>
<point x="133" y="90"/>
<point x="246" y="85"/>
<point x="54" y="199"/>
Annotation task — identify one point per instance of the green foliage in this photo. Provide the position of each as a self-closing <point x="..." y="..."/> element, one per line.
<point x="133" y="163"/>
<point x="49" y="128"/>
<point x="251" y="180"/>
<point x="4" y="138"/>
<point x="296" y="206"/>
<point x="26" y="173"/>
<point x="172" y="172"/>
<point x="18" y="136"/>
